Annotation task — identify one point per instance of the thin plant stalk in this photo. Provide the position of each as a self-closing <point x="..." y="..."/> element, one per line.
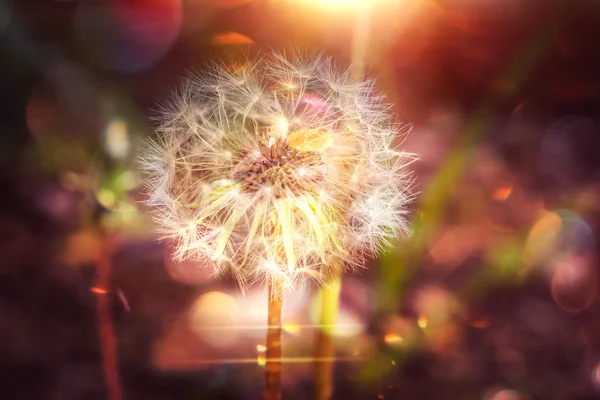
<point x="324" y="349"/>
<point x="108" y="342"/>
<point x="273" y="345"/>
<point x="330" y="294"/>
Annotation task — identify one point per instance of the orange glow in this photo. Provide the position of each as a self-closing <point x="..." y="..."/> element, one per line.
<point x="349" y="3"/>
<point x="310" y="140"/>
<point x="422" y="322"/>
<point x="480" y="324"/>
<point x="82" y="247"/>
<point x="98" y="290"/>
<point x="260" y="348"/>
<point x="392" y="338"/>
<point x="227" y="38"/>
<point x="502" y="193"/>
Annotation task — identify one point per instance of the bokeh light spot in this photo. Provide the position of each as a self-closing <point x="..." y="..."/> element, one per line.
<point x="563" y="245"/>
<point x="481" y="323"/>
<point x="504" y="394"/>
<point x="541" y="237"/>
<point x="566" y="151"/>
<point x="230" y="38"/>
<point x="253" y="319"/>
<point x="575" y="282"/>
<point x="82" y="247"/>
<point x="107" y="198"/>
<point x="502" y="193"/>
<point x="186" y="272"/>
<point x="456" y="244"/>
<point x="261" y="360"/>
<point x="399" y="331"/>
<point x="214" y="317"/>
<point x="392" y="338"/>
<point x="596" y="378"/>
<point x="117" y="139"/>
<point x="127" y="35"/>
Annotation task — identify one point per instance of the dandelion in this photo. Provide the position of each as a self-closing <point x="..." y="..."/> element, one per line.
<point x="279" y="170"/>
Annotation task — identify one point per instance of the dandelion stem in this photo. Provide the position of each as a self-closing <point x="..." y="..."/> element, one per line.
<point x="273" y="351"/>
<point x="330" y="295"/>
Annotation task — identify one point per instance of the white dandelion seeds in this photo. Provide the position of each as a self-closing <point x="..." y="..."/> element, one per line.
<point x="280" y="170"/>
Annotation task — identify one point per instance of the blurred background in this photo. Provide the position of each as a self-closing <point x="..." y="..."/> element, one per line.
<point x="494" y="295"/>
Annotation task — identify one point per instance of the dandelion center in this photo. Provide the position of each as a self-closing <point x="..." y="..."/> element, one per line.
<point x="279" y="168"/>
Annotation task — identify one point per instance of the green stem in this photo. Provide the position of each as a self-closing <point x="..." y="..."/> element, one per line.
<point x="273" y="351"/>
<point x="324" y="350"/>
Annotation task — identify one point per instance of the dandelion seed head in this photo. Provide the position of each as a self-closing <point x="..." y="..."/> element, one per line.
<point x="281" y="169"/>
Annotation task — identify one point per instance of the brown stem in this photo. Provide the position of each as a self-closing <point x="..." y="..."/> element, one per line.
<point x="108" y="345"/>
<point x="273" y="351"/>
